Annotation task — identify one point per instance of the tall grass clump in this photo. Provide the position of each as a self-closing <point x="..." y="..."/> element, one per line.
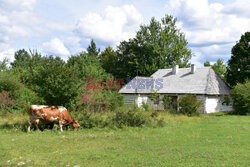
<point x="189" y="105"/>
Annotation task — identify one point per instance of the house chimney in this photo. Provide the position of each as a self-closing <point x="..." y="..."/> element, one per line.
<point x="193" y="68"/>
<point x="175" y="69"/>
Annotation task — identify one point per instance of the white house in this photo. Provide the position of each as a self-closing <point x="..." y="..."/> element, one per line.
<point x="202" y="82"/>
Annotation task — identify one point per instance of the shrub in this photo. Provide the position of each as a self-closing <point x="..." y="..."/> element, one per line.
<point x="154" y="114"/>
<point x="89" y="119"/>
<point x="98" y="100"/>
<point x="132" y="117"/>
<point x="189" y="105"/>
<point x="5" y="101"/>
<point x="241" y="98"/>
<point x="17" y="92"/>
<point x="8" y="82"/>
<point x="146" y="107"/>
<point x="166" y="102"/>
<point x="25" y="97"/>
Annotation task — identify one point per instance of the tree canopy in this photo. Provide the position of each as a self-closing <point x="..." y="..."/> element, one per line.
<point x="92" y="49"/>
<point x="238" y="69"/>
<point x="157" y="45"/>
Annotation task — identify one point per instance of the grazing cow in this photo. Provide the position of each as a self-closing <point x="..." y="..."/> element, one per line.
<point x="52" y="114"/>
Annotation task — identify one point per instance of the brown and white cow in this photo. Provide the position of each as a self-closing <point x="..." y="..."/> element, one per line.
<point x="52" y="114"/>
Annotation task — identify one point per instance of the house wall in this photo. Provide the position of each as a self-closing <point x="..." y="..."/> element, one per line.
<point x="210" y="104"/>
<point x="136" y="99"/>
<point x="130" y="99"/>
<point x="215" y="104"/>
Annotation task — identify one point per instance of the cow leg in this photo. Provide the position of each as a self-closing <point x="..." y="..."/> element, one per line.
<point x="30" y="123"/>
<point x="61" y="126"/>
<point x="54" y="127"/>
<point x="36" y="123"/>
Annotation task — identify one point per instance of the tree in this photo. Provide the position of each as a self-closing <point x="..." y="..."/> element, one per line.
<point x="92" y="49"/>
<point x="21" y="59"/>
<point x="3" y="64"/>
<point x="220" y="68"/>
<point x="238" y="69"/>
<point x="241" y="98"/>
<point x="47" y="76"/>
<point x="108" y="59"/>
<point x="157" y="45"/>
<point x="86" y="66"/>
<point x="207" y="64"/>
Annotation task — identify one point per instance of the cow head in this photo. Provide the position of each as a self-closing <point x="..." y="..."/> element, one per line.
<point x="75" y="124"/>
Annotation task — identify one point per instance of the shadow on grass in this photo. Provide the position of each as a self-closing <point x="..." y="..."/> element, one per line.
<point x="22" y="126"/>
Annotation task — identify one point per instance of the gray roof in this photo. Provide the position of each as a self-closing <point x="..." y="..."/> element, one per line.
<point x="203" y="81"/>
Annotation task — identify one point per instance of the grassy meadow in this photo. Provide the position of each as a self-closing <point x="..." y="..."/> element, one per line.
<point x="208" y="140"/>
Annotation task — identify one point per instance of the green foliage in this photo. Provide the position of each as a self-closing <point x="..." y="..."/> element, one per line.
<point x="207" y="64"/>
<point x="226" y="100"/>
<point x="167" y="100"/>
<point x="48" y="77"/>
<point x="8" y="82"/>
<point x="85" y="66"/>
<point x="5" y="102"/>
<point x="18" y="92"/>
<point x="220" y="68"/>
<point x="153" y="96"/>
<point x="97" y="100"/>
<point x="108" y="59"/>
<point x="92" y="49"/>
<point x="26" y="97"/>
<point x="22" y="59"/>
<point x="157" y="45"/>
<point x="88" y="119"/>
<point x="238" y="69"/>
<point x="131" y="117"/>
<point x="146" y="106"/>
<point x="154" y="114"/>
<point x="3" y="64"/>
<point x="241" y="98"/>
<point x="189" y="105"/>
<point x="57" y="84"/>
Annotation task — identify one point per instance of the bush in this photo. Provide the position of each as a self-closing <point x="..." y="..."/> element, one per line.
<point x="132" y="117"/>
<point x="147" y="107"/>
<point x="15" y="93"/>
<point x="25" y="97"/>
<point x="89" y="119"/>
<point x="8" y="82"/>
<point x="189" y="105"/>
<point x="5" y="102"/>
<point x="241" y="98"/>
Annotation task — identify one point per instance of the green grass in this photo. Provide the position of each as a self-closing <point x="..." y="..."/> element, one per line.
<point x="208" y="140"/>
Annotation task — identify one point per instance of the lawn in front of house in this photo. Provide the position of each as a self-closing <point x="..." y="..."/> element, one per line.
<point x="184" y="141"/>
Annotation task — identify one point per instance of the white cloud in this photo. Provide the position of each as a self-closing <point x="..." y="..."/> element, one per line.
<point x="56" y="47"/>
<point x="20" y="4"/>
<point x="17" y="22"/>
<point x="73" y="43"/>
<point x="211" y="28"/>
<point x="197" y="59"/>
<point x="217" y="51"/>
<point x="7" y="53"/>
<point x="204" y="22"/>
<point x="113" y="25"/>
<point x="241" y="7"/>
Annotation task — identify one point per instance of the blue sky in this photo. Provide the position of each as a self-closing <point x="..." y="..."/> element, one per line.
<point x="63" y="27"/>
